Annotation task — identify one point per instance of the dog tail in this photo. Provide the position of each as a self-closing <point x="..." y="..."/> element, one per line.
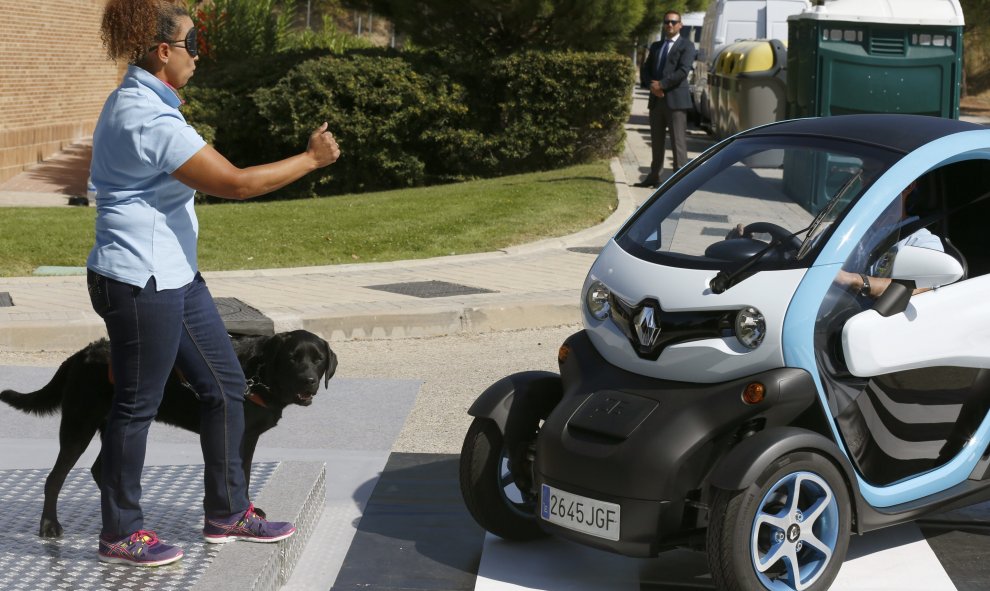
<point x="46" y="401"/>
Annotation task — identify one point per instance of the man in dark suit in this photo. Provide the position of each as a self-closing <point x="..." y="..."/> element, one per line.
<point x="667" y="67"/>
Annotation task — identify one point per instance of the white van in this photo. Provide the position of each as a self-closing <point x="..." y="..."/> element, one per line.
<point x="728" y="21"/>
<point x="691" y="26"/>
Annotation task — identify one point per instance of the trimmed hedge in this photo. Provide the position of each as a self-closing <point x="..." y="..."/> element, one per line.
<point x="396" y="127"/>
<point x="560" y="108"/>
<point x="412" y="119"/>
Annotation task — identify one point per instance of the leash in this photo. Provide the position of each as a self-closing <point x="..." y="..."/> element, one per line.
<point x="250" y="393"/>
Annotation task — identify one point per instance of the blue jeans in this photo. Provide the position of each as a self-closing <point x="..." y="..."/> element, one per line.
<point x="150" y="332"/>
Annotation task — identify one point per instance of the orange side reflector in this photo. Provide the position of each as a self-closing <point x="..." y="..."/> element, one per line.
<point x="754" y="392"/>
<point x="563" y="353"/>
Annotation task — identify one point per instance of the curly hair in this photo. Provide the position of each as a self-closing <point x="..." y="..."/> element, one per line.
<point x="130" y="27"/>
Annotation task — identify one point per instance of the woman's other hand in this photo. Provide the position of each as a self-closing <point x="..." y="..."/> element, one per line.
<point x="323" y="148"/>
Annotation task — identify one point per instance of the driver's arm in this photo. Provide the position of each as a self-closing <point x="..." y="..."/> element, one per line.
<point x="878" y="285"/>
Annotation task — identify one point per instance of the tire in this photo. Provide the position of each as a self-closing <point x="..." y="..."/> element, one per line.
<point x="751" y="537"/>
<point x="488" y="489"/>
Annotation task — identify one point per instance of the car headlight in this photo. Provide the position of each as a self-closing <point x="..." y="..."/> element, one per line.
<point x="596" y="299"/>
<point x="751" y="327"/>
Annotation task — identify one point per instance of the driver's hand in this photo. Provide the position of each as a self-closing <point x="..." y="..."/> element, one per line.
<point x="737" y="232"/>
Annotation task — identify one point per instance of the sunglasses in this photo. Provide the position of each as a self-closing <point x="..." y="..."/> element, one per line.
<point x="666" y="22"/>
<point x="190" y="43"/>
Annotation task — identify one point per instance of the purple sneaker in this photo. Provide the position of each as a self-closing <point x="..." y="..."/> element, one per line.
<point x="142" y="548"/>
<point x="250" y="527"/>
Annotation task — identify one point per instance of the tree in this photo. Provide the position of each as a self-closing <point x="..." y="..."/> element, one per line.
<point x="655" y="9"/>
<point x="501" y="27"/>
<point x="976" y="46"/>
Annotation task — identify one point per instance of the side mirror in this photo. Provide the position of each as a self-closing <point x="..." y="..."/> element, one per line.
<point x="926" y="267"/>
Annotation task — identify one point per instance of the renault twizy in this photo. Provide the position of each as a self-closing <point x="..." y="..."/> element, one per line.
<point x="789" y="342"/>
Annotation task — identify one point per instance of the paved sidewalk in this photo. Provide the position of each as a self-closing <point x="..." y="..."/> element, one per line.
<point x="526" y="286"/>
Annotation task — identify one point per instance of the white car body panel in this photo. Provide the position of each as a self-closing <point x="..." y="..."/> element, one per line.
<point x="677" y="289"/>
<point x="946" y="327"/>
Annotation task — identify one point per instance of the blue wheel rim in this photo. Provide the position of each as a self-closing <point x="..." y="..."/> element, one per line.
<point x="794" y="532"/>
<point x="514" y="498"/>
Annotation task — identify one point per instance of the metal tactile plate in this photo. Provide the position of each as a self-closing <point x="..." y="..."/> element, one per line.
<point x="429" y="289"/>
<point x="240" y="318"/>
<point x="172" y="500"/>
<point x="5" y="300"/>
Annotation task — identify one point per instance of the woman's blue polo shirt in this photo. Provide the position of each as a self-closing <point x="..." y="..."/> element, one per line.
<point x="145" y="222"/>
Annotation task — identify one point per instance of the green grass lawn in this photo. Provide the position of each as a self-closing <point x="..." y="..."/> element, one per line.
<point x="476" y="216"/>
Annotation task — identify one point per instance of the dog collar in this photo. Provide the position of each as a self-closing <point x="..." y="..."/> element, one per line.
<point x="255" y="398"/>
<point x="252" y="395"/>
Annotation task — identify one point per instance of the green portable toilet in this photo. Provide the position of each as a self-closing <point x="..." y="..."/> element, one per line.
<point x="875" y="56"/>
<point x="867" y="56"/>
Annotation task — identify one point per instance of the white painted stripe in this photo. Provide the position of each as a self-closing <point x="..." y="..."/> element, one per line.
<point x="892" y="559"/>
<point x="551" y="565"/>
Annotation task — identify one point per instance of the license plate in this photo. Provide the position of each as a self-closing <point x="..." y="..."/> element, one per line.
<point x="582" y="514"/>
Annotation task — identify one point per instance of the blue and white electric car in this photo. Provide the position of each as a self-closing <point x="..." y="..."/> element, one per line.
<point x="788" y="343"/>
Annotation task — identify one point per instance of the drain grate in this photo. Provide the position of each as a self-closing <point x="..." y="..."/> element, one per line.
<point x="240" y="318"/>
<point x="172" y="500"/>
<point x="5" y="300"/>
<point x="429" y="289"/>
<point x="586" y="249"/>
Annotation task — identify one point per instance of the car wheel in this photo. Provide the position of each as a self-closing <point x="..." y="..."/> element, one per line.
<point x="489" y="491"/>
<point x="788" y="531"/>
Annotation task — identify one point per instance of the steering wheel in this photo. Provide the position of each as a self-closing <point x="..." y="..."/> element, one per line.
<point x="785" y="236"/>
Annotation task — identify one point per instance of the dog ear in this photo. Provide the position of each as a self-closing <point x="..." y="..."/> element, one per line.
<point x="331" y="367"/>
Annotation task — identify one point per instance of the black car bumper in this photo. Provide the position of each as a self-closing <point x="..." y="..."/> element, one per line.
<point x="649" y="445"/>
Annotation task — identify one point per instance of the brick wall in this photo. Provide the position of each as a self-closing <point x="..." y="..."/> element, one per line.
<point x="54" y="77"/>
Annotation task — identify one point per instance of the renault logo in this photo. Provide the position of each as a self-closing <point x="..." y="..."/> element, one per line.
<point x="647" y="327"/>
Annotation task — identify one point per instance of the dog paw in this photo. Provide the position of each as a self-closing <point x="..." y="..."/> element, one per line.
<point x="50" y="528"/>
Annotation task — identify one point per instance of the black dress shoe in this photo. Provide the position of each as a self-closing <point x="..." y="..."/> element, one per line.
<point x="647" y="183"/>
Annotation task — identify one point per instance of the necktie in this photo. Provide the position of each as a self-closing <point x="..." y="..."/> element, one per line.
<point x="662" y="60"/>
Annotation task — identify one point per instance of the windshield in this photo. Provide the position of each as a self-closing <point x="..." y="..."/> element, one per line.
<point x="772" y="196"/>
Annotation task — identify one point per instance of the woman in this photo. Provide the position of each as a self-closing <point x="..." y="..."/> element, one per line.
<point x="143" y="279"/>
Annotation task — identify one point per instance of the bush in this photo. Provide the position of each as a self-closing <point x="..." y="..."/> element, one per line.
<point x="328" y="37"/>
<point x="235" y="29"/>
<point x="396" y="127"/>
<point x="560" y="108"/>
<point x="220" y="106"/>
<point x="416" y="118"/>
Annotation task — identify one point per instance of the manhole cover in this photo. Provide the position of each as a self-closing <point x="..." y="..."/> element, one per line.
<point x="240" y="318"/>
<point x="586" y="249"/>
<point x="704" y="217"/>
<point x="429" y="289"/>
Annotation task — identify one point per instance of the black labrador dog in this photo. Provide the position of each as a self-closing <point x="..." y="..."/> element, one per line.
<point x="281" y="370"/>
